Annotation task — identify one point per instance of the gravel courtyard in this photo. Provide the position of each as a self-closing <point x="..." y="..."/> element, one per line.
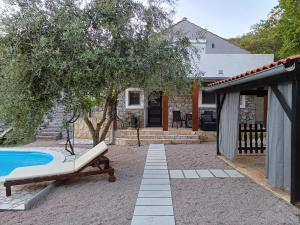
<point x="94" y="201"/>
<point x="235" y="201"/>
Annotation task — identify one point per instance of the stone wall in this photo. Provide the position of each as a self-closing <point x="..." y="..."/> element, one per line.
<point x="247" y="114"/>
<point x="125" y="114"/>
<point x="81" y="130"/>
<point x="182" y="103"/>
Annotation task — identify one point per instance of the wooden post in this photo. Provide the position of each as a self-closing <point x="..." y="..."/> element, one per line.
<point x="195" y="107"/>
<point x="165" y="107"/>
<point x="295" y="145"/>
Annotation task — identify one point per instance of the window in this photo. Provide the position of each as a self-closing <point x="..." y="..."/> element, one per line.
<point x="212" y="45"/>
<point x="134" y="98"/>
<point x="220" y="72"/>
<point x="208" y="100"/>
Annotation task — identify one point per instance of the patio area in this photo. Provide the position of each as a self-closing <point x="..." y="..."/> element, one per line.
<point x="205" y="200"/>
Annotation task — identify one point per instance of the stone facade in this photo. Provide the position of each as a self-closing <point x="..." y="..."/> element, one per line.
<point x="81" y="130"/>
<point x="247" y="114"/>
<point x="182" y="103"/>
<point x="125" y="114"/>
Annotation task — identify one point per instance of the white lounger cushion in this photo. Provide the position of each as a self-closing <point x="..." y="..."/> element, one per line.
<point x="90" y="155"/>
<point x="59" y="168"/>
<point x="41" y="171"/>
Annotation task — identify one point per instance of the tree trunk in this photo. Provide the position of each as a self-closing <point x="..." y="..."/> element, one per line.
<point x="111" y="113"/>
<point x="95" y="135"/>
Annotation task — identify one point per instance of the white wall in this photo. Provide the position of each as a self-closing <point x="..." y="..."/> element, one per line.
<point x="231" y="64"/>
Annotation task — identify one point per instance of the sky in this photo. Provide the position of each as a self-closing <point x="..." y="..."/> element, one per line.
<point x="226" y="18"/>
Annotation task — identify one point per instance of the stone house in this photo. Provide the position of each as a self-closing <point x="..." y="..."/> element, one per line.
<point x="219" y="59"/>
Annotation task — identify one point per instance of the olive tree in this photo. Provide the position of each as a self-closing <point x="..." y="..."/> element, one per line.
<point x="86" y="53"/>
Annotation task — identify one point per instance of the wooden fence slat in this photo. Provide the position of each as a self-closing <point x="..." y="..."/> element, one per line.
<point x="251" y="138"/>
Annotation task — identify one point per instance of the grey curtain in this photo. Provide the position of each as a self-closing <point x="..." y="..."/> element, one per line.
<point x="278" y="155"/>
<point x="229" y="125"/>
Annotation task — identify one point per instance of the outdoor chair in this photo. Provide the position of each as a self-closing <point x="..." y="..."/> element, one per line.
<point x="208" y="122"/>
<point x="188" y="120"/>
<point x="63" y="170"/>
<point x="177" y="118"/>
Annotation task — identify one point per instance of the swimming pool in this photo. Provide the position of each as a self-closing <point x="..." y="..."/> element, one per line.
<point x="11" y="159"/>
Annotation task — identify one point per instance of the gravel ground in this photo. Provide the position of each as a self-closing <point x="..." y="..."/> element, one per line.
<point x="94" y="201"/>
<point x="91" y="200"/>
<point x="232" y="201"/>
<point x="202" y="156"/>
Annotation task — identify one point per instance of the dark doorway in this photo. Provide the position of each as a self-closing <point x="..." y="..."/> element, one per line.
<point x="155" y="109"/>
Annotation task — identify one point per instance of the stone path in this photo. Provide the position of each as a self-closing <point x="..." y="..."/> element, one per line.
<point x="192" y="174"/>
<point x="154" y="204"/>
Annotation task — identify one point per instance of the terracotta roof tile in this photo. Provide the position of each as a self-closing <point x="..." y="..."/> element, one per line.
<point x="259" y="69"/>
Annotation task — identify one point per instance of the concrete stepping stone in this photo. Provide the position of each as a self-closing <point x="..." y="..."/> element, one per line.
<point x="153" y="220"/>
<point x="153" y="211"/>
<point x="219" y="173"/>
<point x="154" y="176"/>
<point x="190" y="174"/>
<point x="156" y="161"/>
<point x="156" y="164"/>
<point x="156" y="172"/>
<point x="154" y="201"/>
<point x="176" y="174"/>
<point x="157" y="146"/>
<point x="155" y="194"/>
<point x="155" y="187"/>
<point x="156" y="153"/>
<point x="156" y="150"/>
<point x="156" y="167"/>
<point x="204" y="173"/>
<point x="155" y="181"/>
<point x="233" y="173"/>
<point x="156" y="157"/>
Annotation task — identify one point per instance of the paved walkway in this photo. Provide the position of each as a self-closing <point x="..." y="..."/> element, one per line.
<point x="154" y="204"/>
<point x="204" y="173"/>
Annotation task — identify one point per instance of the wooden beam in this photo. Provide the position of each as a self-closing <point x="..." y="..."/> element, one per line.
<point x="266" y="99"/>
<point x="282" y="102"/>
<point x="220" y="104"/>
<point x="195" y="107"/>
<point x="165" y="107"/>
<point x="218" y="123"/>
<point x="295" y="148"/>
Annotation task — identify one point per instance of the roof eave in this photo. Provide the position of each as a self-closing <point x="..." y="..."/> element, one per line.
<point x="271" y="72"/>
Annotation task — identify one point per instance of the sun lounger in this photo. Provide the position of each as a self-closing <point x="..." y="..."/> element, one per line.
<point x="63" y="170"/>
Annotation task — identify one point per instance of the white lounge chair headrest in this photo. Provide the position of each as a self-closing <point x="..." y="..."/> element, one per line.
<point x="90" y="155"/>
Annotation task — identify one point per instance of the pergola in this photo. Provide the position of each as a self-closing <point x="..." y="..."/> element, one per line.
<point x="281" y="82"/>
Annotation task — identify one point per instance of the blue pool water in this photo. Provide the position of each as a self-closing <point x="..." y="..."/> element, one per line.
<point x="9" y="160"/>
